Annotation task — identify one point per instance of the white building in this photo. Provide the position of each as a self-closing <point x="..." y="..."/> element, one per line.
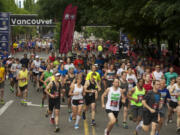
<point x="20" y="3"/>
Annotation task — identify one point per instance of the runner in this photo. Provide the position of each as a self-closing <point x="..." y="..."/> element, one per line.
<point x="110" y="75"/>
<point x="76" y="92"/>
<point x="114" y="95"/>
<point x="15" y="68"/>
<point x="91" y="89"/>
<point x="45" y="75"/>
<point x="125" y="102"/>
<point x="135" y="96"/>
<point x="22" y="78"/>
<point x="151" y="103"/>
<point x="54" y="91"/>
<point x="165" y="98"/>
<point x="70" y="78"/>
<point x="2" y="81"/>
<point x="36" y="65"/>
<point x="175" y="101"/>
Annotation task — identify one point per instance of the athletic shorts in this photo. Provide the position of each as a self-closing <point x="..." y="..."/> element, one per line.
<point x="35" y="74"/>
<point x="77" y="102"/>
<point x="136" y="111"/>
<point x="54" y="104"/>
<point x="173" y="104"/>
<point x="15" y="80"/>
<point x="163" y="111"/>
<point x="2" y="85"/>
<point x="89" y="100"/>
<point x="114" y="112"/>
<point x="23" y="88"/>
<point x="67" y="91"/>
<point x="124" y="104"/>
<point x="40" y="83"/>
<point x="149" y="117"/>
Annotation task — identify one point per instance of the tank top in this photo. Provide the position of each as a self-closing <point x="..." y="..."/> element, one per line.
<point x="176" y="90"/>
<point x="124" y="85"/>
<point x="55" y="90"/>
<point x="80" y="90"/>
<point x="114" y="97"/>
<point x="157" y="75"/>
<point x="138" y="94"/>
<point x="37" y="65"/>
<point x="111" y="75"/>
<point x="91" y="87"/>
<point x="47" y="75"/>
<point x="23" y="74"/>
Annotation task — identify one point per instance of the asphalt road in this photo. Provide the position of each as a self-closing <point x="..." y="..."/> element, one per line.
<point x="30" y="120"/>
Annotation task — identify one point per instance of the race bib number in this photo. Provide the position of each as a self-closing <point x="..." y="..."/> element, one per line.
<point x="114" y="103"/>
<point x="56" y="94"/>
<point x="155" y="106"/>
<point x="81" y="101"/>
<point x="140" y="98"/>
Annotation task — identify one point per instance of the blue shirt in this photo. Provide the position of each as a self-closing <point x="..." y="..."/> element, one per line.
<point x="164" y="94"/>
<point x="100" y="72"/>
<point x="62" y="72"/>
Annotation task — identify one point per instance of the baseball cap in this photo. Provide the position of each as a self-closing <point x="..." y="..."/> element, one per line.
<point x="57" y="74"/>
<point x="37" y="56"/>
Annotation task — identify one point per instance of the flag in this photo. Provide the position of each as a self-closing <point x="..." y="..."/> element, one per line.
<point x="68" y="26"/>
<point x="64" y="28"/>
<point x="72" y="27"/>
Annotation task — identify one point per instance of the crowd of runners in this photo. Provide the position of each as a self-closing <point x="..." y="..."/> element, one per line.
<point x="147" y="91"/>
<point x="32" y="45"/>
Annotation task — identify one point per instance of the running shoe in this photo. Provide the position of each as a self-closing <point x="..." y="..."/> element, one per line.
<point x="41" y="105"/>
<point x="178" y="130"/>
<point x="125" y="126"/>
<point x="52" y="121"/>
<point x="157" y="133"/>
<point x="76" y="126"/>
<point x="106" y="132"/>
<point x="11" y="89"/>
<point x="70" y="118"/>
<point x="93" y="123"/>
<point x="57" y="129"/>
<point x="2" y="102"/>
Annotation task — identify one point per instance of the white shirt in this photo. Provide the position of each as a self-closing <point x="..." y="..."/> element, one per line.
<point x="158" y="75"/>
<point x="67" y="66"/>
<point x="77" y="89"/>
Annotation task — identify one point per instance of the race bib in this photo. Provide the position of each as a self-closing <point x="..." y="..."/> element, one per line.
<point x="114" y="103"/>
<point x="81" y="101"/>
<point x="140" y="98"/>
<point x="155" y="106"/>
<point x="56" y="94"/>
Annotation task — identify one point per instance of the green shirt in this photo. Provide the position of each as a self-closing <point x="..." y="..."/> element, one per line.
<point x="47" y="75"/>
<point x="169" y="76"/>
<point x="138" y="94"/>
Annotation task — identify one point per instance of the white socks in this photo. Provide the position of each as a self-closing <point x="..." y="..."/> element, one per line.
<point x="77" y="119"/>
<point x="139" y="126"/>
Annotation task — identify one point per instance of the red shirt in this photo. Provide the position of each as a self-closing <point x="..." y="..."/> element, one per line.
<point x="78" y="61"/>
<point x="148" y="87"/>
<point x="52" y="59"/>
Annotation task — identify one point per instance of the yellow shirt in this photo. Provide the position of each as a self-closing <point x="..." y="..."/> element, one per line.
<point x="15" y="45"/>
<point x="97" y="77"/>
<point x="23" y="74"/>
<point x="2" y="74"/>
<point x="100" y="48"/>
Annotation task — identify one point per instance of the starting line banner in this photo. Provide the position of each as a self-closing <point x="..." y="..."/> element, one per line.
<point x="29" y="19"/>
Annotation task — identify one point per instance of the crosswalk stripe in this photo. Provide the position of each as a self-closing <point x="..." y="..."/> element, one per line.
<point x="5" y="107"/>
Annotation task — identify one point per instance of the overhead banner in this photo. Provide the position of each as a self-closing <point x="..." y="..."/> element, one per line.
<point x="29" y="19"/>
<point x="4" y="31"/>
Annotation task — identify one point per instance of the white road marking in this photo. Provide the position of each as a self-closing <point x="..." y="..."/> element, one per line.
<point x="30" y="104"/>
<point x="5" y="107"/>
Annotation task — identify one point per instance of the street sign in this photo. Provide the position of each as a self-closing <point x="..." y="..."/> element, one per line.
<point x="4" y="31"/>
